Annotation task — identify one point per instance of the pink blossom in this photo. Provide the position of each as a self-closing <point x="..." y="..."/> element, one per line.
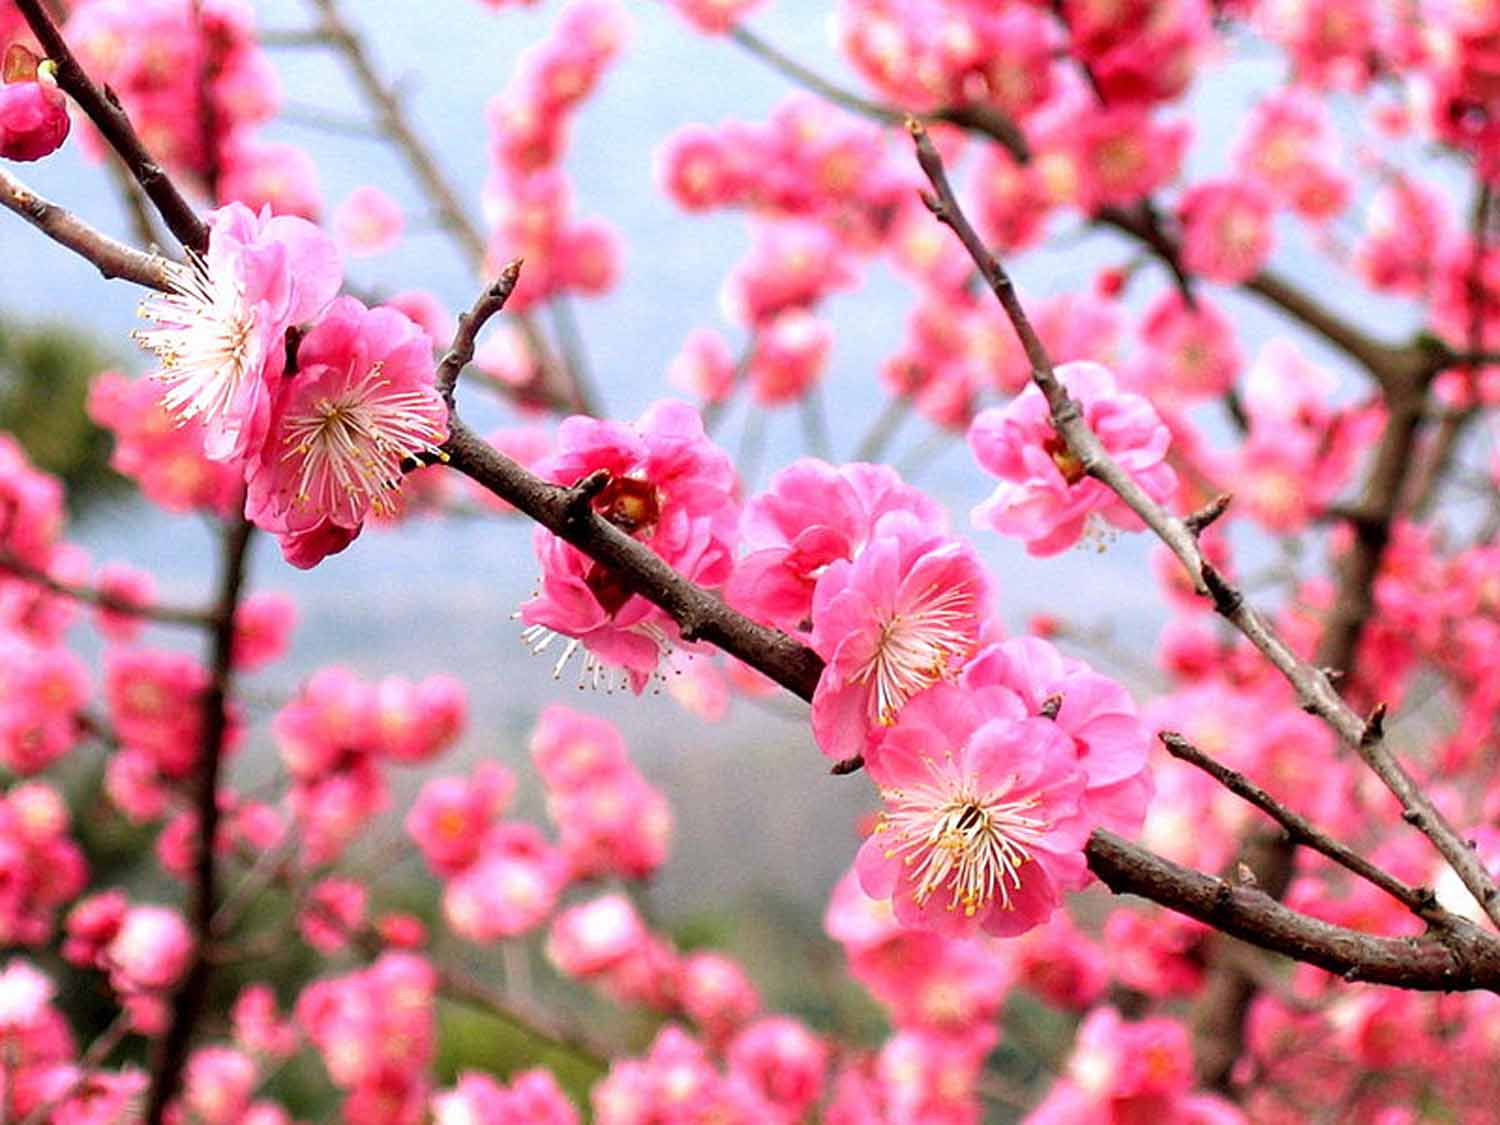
<point x="363" y="403"/>
<point x="1191" y="351"/>
<point x="811" y="515"/>
<point x="218" y="1085"/>
<point x="150" y="951"/>
<point x="704" y="367"/>
<point x="669" y="487"/>
<point x="132" y="587"/>
<point x="715" y="17"/>
<point x="367" y="222"/>
<point x="1096" y="714"/>
<point x="258" y="1028"/>
<point x="904" y="615"/>
<point x="262" y="629"/>
<point x="571" y="749"/>
<point x="164" y="456"/>
<point x="783" y="1060"/>
<point x="33" y="112"/>
<point x="1120" y="155"/>
<point x="272" y="177"/>
<point x="790" y="265"/>
<point x="1004" y="795"/>
<point x="618" y="825"/>
<point x="1226" y="229"/>
<point x="451" y="815"/>
<point x="1045" y="496"/>
<point x="594" y="936"/>
<point x="219" y="331"/>
<point x="790" y="354"/>
<point x="333" y="913"/>
<point x="42" y="691"/>
<point x="509" y="890"/>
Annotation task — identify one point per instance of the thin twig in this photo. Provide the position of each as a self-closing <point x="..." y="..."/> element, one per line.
<point x="1419" y="900"/>
<point x="113" y="259"/>
<point x="191" y="995"/>
<point x="151" y="611"/>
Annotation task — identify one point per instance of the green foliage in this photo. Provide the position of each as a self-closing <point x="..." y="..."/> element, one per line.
<point x="44" y="379"/>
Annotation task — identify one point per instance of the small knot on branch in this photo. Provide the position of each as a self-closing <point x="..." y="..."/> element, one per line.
<point x="1227" y="600"/>
<point x="1374" y="726"/>
<point x="1200" y="520"/>
<point x="848" y="766"/>
<point x="578" y="501"/>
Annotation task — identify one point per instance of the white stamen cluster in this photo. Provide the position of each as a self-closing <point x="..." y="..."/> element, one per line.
<point x="204" y="338"/>
<point x="973" y="844"/>
<point x="356" y="440"/>
<point x="917" y="648"/>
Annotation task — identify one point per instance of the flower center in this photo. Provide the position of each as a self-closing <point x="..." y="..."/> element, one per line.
<point x="204" y="338"/>
<point x="351" y="445"/>
<point x="970" y="845"/>
<point x="917" y="648"/>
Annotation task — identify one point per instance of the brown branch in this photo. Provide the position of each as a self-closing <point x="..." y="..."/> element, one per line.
<point x="1463" y="958"/>
<point x="490" y="302"/>
<point x="699" y="614"/>
<point x="112" y="259"/>
<point x="1314" y="689"/>
<point x="189" y="1000"/>
<point x="1419" y="900"/>
<point x="103" y="109"/>
<point x="161" y="614"/>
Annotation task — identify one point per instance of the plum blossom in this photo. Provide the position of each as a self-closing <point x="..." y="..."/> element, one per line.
<point x="1046" y="496"/>
<point x="905" y="614"/>
<point x="811" y="515"/>
<point x="669" y="487"/>
<point x="983" y="820"/>
<point x="219" y="330"/>
<point x="363" y="404"/>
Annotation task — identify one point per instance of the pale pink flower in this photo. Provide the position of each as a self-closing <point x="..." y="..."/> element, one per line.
<point x="219" y="331"/>
<point x="594" y="936"/>
<point x="904" y="615"/>
<point x="362" y="406"/>
<point x="150" y="951"/>
<point x="510" y="889"/>
<point x="262" y="629"/>
<point x="704" y="367"/>
<point x="367" y="222"/>
<point x="983" y="820"/>
<point x="451" y="815"/>
<point x="1045" y="496"/>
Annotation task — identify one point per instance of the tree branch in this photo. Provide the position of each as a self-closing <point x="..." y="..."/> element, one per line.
<point x="188" y="1002"/>
<point x="161" y="614"/>
<point x="103" y="109"/>
<point x="112" y="259"/>
<point x="1419" y="900"/>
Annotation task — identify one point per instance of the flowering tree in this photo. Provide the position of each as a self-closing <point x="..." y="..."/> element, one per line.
<point x="1308" y="911"/>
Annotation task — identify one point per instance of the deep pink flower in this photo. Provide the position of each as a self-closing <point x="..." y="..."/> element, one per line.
<point x="1227" y="230"/>
<point x="510" y="889"/>
<point x="783" y="1060"/>
<point x="33" y="112"/>
<point x="905" y="614"/>
<point x="671" y="488"/>
<point x="983" y="821"/>
<point x="1045" y="496"/>
<point x="219" y="332"/>
<point x="1096" y="713"/>
<point x="363" y="403"/>
<point x="811" y="515"/>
